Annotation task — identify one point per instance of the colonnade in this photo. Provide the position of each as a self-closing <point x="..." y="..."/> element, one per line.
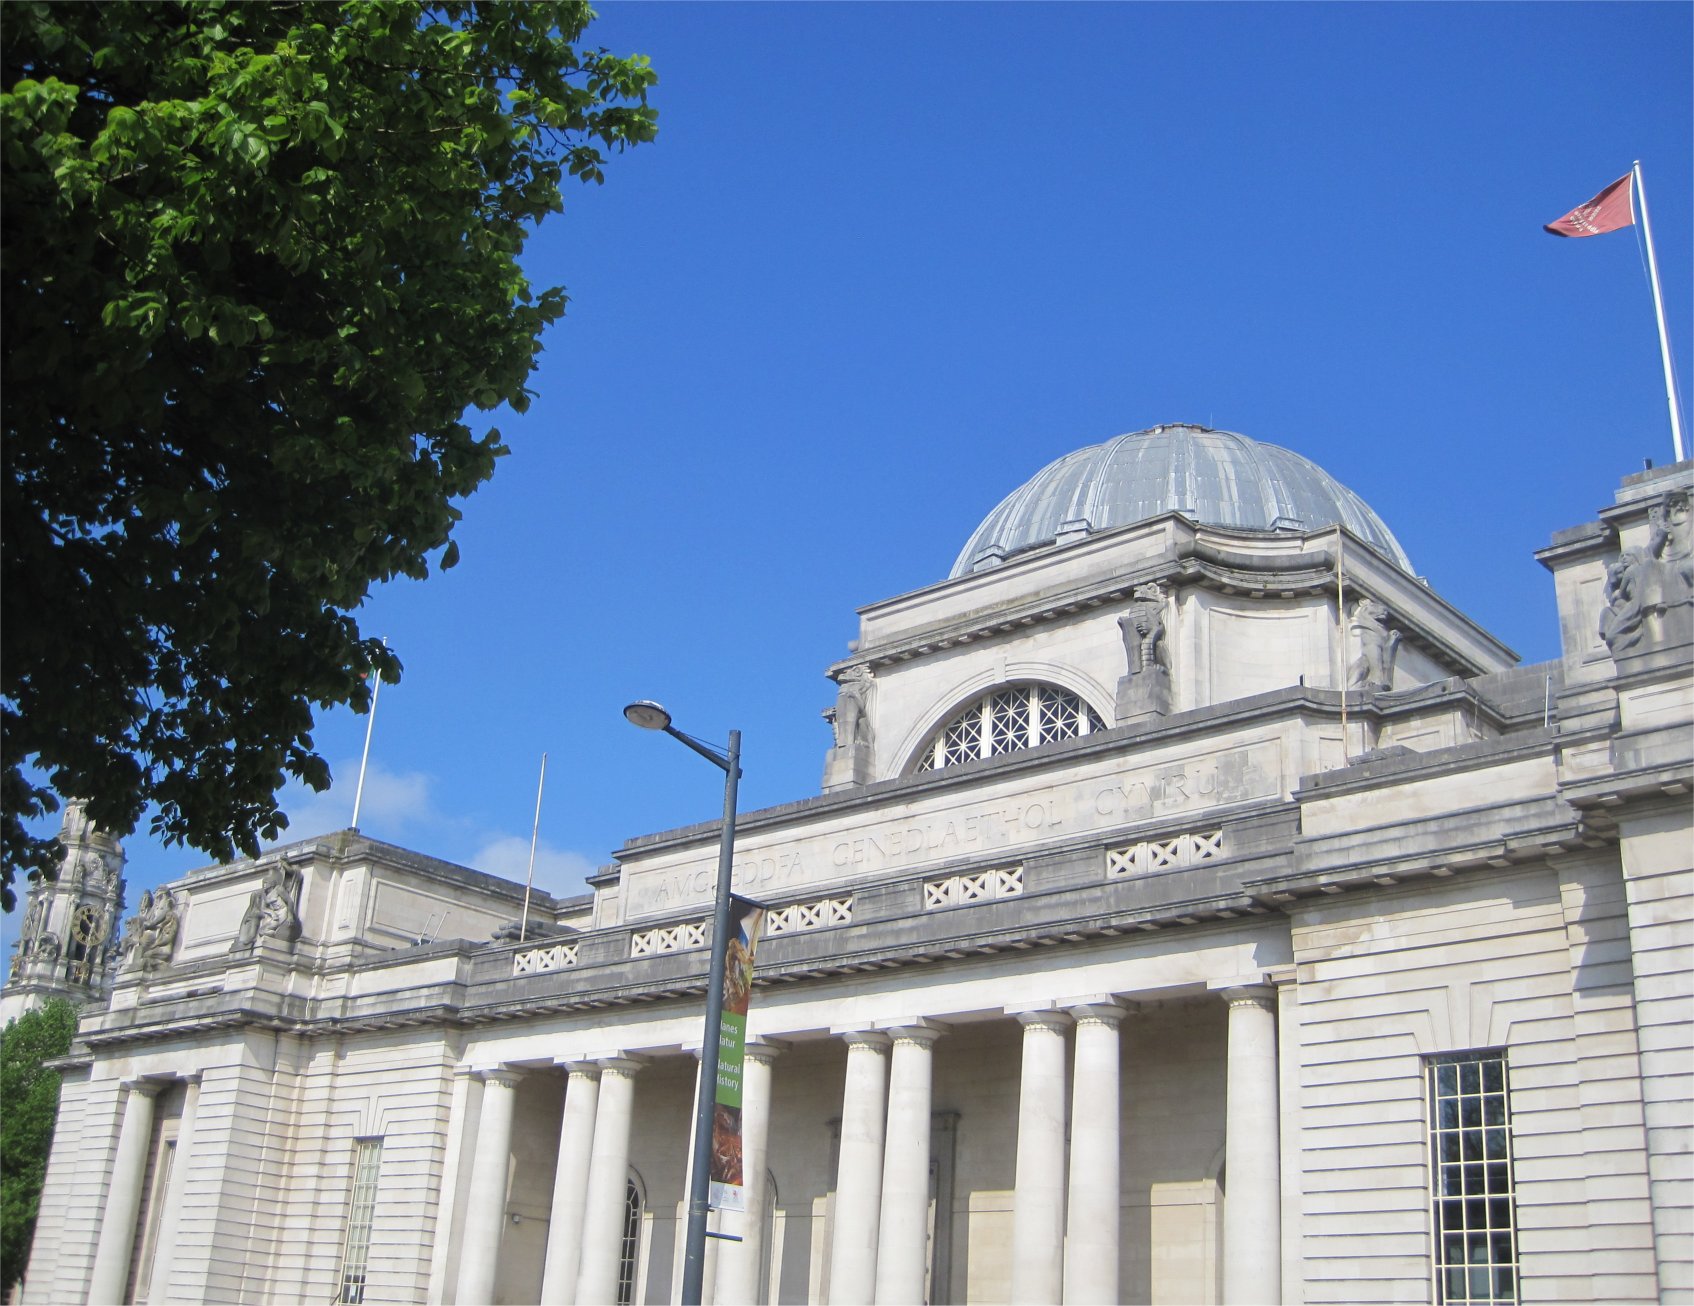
<point x="1067" y="1202"/>
<point x="1066" y="1207"/>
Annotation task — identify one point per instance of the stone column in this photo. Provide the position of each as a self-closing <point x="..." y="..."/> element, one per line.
<point x="485" y="1209"/>
<point x="608" y="1179"/>
<point x="709" y="1259"/>
<point x="123" y="1198"/>
<point x="740" y="1265"/>
<point x="902" y="1244"/>
<point x="1093" y="1212"/>
<point x="158" y="1287"/>
<point x="1252" y="1262"/>
<point x="1038" y="1202"/>
<point x="858" y="1187"/>
<point x="463" y="1115"/>
<point x="570" y="1184"/>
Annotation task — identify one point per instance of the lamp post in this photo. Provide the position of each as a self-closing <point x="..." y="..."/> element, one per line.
<point x="650" y="716"/>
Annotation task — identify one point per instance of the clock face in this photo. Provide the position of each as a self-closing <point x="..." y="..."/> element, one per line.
<point x="85" y="925"/>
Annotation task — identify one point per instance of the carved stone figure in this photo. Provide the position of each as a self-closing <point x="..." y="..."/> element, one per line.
<point x="849" y="761"/>
<point x="273" y="911"/>
<point x="1143" y="630"/>
<point x="1145" y="687"/>
<point x="1666" y="589"/>
<point x="151" y="936"/>
<point x="32" y="922"/>
<point x="851" y="714"/>
<point x="1373" y="668"/>
<point x="1620" y="620"/>
<point x="47" y="946"/>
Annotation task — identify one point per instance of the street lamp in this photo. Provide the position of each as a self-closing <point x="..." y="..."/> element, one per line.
<point x="650" y="716"/>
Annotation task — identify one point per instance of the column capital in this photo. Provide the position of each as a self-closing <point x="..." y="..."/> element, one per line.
<point x="144" y="1087"/>
<point x="503" y="1076"/>
<point x="915" y="1031"/>
<point x="1249" y="995"/>
<point x="1049" y="1018"/>
<point x="577" y="1066"/>
<point x="625" y="1066"/>
<point x="869" y="1038"/>
<point x="1104" y="1012"/>
<point x="766" y="1050"/>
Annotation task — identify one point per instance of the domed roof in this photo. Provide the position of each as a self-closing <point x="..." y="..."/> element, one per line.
<point x="1216" y="478"/>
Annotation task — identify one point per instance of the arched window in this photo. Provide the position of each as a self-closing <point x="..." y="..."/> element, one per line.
<point x="630" y="1251"/>
<point x="1008" y="720"/>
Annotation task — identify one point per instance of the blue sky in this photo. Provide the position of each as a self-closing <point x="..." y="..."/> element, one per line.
<point x="886" y="261"/>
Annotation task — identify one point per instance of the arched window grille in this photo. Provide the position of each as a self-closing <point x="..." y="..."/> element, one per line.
<point x="1009" y="720"/>
<point x="630" y="1250"/>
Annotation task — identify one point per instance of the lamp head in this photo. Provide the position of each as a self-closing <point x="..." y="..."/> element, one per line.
<point x="648" y="715"/>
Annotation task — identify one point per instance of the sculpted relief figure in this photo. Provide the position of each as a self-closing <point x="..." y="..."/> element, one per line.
<point x="1650" y="592"/>
<point x="851" y="714"/>
<point x="152" y="931"/>
<point x="1620" y="620"/>
<point x="273" y="912"/>
<point x="1667" y="581"/>
<point x="849" y="761"/>
<point x="1145" y="689"/>
<point x="1373" y="668"/>
<point x="1143" y="630"/>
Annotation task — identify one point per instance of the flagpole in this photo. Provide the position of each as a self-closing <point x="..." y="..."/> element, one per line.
<point x="1659" y="312"/>
<point x="534" y="835"/>
<point x="1341" y="642"/>
<point x="370" y="725"/>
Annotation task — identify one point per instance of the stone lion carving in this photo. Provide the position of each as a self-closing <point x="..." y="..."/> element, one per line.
<point x="1373" y="668"/>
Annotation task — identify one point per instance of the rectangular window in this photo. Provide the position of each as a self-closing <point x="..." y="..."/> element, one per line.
<point x="367" y="1160"/>
<point x="1472" y="1199"/>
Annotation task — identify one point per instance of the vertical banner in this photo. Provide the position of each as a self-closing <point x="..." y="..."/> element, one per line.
<point x="745" y="920"/>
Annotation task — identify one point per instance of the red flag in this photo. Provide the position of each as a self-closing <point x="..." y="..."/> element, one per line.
<point x="1611" y="209"/>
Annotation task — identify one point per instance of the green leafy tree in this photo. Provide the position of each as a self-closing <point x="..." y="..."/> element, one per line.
<point x="29" y="1104"/>
<point x="259" y="261"/>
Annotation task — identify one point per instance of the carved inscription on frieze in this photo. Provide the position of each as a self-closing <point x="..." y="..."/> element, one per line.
<point x="1097" y="800"/>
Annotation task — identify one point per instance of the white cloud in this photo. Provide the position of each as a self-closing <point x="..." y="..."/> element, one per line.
<point x="558" y="871"/>
<point x="400" y="807"/>
<point x="396" y="805"/>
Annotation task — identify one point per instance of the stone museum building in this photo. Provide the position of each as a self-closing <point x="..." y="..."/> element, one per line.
<point x="1197" y="908"/>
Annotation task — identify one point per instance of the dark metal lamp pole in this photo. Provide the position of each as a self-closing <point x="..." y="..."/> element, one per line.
<point x="650" y="716"/>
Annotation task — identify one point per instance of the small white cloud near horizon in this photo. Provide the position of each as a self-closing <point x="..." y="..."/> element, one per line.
<point x="400" y="807"/>
<point x="393" y="802"/>
<point x="561" y="872"/>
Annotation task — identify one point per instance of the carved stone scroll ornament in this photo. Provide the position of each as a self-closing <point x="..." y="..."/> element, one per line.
<point x="1145" y="688"/>
<point x="150" y="936"/>
<point x="1373" y="668"/>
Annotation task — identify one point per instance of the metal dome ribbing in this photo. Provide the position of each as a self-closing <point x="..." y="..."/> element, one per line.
<point x="1217" y="478"/>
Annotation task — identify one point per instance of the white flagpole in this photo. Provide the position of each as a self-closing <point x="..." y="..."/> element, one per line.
<point x="1659" y="312"/>
<point x="370" y="725"/>
<point x="534" y="835"/>
<point x="1341" y="642"/>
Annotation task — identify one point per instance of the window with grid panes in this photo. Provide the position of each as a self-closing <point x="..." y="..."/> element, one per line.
<point x="1008" y="720"/>
<point x="367" y="1161"/>
<point x="630" y="1250"/>
<point x="1472" y="1199"/>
